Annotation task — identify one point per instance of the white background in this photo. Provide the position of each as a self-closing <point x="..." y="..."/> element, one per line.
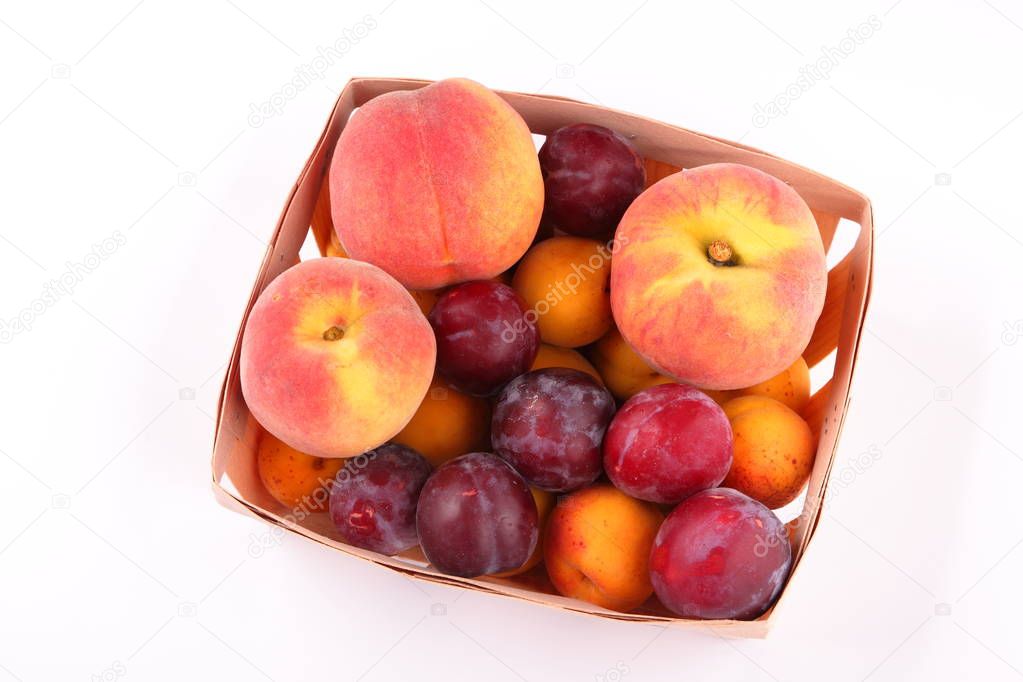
<point x="132" y="123"/>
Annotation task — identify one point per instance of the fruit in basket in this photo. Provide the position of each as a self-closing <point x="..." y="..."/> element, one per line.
<point x="773" y="453"/>
<point x="555" y="356"/>
<point x="666" y="443"/>
<point x="564" y="281"/>
<point x="335" y="357"/>
<point x="476" y="516"/>
<point x="425" y="299"/>
<point x="484" y="336"/>
<point x="438" y="185"/>
<point x="447" y="424"/>
<point x="624" y="371"/>
<point x="719" y="276"/>
<point x="591" y="175"/>
<point x="544" y="506"/>
<point x="549" y="424"/>
<point x="791" y="387"/>
<point x="720" y="554"/>
<point x="374" y="497"/>
<point x="293" y="478"/>
<point x="597" y="547"/>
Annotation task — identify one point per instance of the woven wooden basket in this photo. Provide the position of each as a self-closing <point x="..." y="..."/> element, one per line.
<point x="667" y="149"/>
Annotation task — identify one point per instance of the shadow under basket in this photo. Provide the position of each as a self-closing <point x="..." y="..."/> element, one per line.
<point x="667" y="148"/>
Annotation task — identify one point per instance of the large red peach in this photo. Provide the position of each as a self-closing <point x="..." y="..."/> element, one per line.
<point x="719" y="276"/>
<point x="438" y="185"/>
<point x="336" y="357"/>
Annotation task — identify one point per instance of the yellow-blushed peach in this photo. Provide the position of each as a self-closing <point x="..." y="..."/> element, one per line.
<point x="563" y="281"/>
<point x="336" y="357"/>
<point x="719" y="276"/>
<point x="625" y="373"/>
<point x="597" y="547"/>
<point x="436" y="185"/>
<point x="294" y="478"/>
<point x="447" y="424"/>
<point x="773" y="450"/>
<point x="555" y="356"/>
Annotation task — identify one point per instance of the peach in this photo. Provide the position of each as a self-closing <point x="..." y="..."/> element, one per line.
<point x="447" y="424"/>
<point x="336" y="357"/>
<point x="773" y="450"/>
<point x="791" y="387"/>
<point x="544" y="505"/>
<point x="563" y="281"/>
<point x="719" y="276"/>
<point x="554" y="356"/>
<point x="625" y="373"/>
<point x="294" y="478"/>
<point x="597" y="547"/>
<point x="438" y="185"/>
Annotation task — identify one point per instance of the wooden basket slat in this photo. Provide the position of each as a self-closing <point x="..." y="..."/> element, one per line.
<point x="825" y="333"/>
<point x="320" y="223"/>
<point x="827" y="224"/>
<point x="816" y="409"/>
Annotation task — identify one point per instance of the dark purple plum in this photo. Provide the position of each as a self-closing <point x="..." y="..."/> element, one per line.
<point x="591" y="175"/>
<point x="484" y="337"/>
<point x="549" y="424"/>
<point x="476" y="516"/>
<point x="374" y="496"/>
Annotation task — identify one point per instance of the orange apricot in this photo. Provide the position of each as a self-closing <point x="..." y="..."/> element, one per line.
<point x="791" y="387"/>
<point x="773" y="450"/>
<point x="554" y="356"/>
<point x="447" y="424"/>
<point x="564" y="281"/>
<point x="294" y="478"/>
<point x="425" y="298"/>
<point x="624" y="372"/>
<point x="597" y="547"/>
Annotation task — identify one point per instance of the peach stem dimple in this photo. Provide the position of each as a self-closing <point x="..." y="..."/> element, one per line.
<point x="333" y="333"/>
<point x="719" y="253"/>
